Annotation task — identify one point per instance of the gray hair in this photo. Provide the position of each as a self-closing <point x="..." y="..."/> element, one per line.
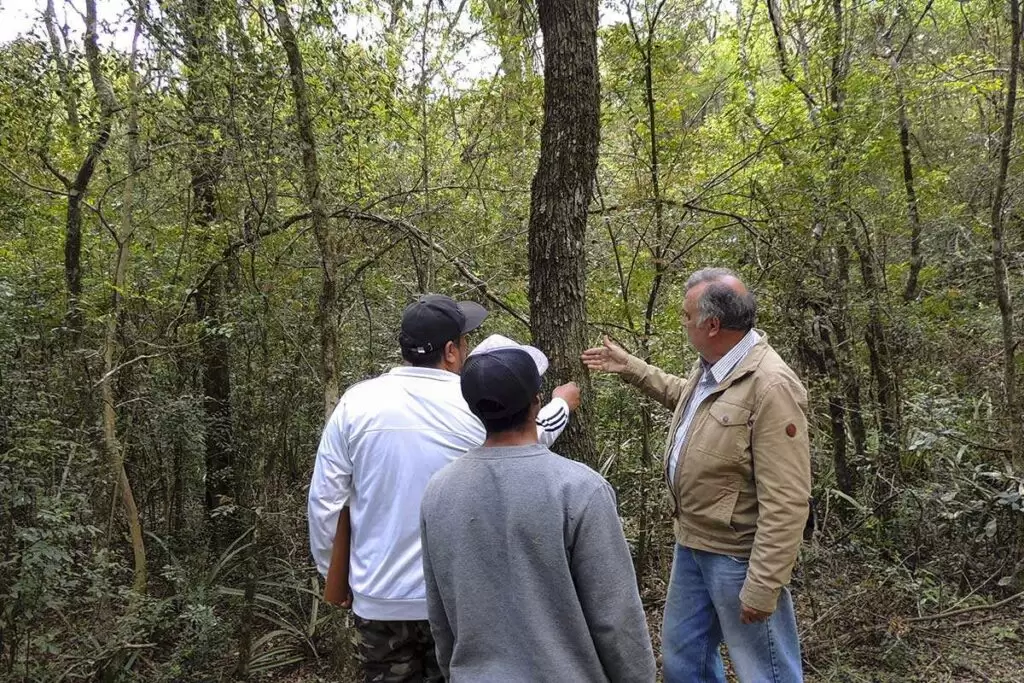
<point x="734" y="311"/>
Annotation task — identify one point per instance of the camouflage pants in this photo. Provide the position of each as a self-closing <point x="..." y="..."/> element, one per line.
<point x="396" y="651"/>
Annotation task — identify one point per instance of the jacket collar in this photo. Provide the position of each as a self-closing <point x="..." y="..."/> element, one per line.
<point x="729" y="362"/>
<point x="424" y="373"/>
<point x="748" y="364"/>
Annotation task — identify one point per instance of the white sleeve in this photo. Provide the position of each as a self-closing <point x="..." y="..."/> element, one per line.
<point x="330" y="488"/>
<point x="551" y="421"/>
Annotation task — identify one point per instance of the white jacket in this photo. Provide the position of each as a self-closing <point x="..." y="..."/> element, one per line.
<point x="385" y="439"/>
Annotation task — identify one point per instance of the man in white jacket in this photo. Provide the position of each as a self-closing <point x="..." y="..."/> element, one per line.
<point x="384" y="441"/>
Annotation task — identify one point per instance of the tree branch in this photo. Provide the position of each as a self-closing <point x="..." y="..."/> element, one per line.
<point x="910" y="34"/>
<point x="65" y="181"/>
<point x="775" y="15"/>
<point x="39" y="188"/>
<point x="418" y="235"/>
<point x="378" y="219"/>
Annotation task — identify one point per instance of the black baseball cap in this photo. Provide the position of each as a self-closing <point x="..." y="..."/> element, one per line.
<point x="434" y="320"/>
<point x="500" y="377"/>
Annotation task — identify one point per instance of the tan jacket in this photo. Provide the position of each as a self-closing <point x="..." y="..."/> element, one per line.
<point x="744" y="477"/>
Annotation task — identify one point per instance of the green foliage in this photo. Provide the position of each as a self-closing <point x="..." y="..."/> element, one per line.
<point x="434" y="122"/>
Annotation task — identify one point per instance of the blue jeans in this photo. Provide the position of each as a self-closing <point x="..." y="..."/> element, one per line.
<point x="703" y="607"/>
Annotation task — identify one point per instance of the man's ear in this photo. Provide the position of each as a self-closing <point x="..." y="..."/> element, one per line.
<point x="451" y="351"/>
<point x="714" y="326"/>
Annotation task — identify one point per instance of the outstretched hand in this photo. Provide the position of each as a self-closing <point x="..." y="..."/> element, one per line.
<point x="609" y="357"/>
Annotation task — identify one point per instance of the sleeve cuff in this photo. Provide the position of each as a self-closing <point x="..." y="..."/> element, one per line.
<point x="554" y="416"/>
<point x="759" y="597"/>
<point x="560" y="403"/>
<point x="635" y="370"/>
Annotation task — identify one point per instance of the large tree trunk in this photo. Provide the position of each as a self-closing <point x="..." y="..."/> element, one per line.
<point x="328" y="244"/>
<point x="560" y="196"/>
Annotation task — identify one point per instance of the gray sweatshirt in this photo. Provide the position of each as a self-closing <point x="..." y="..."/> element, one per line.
<point x="528" y="574"/>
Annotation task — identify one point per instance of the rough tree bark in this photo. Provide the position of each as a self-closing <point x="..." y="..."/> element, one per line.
<point x="330" y="252"/>
<point x="559" y="199"/>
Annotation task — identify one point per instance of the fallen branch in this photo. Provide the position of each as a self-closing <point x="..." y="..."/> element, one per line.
<point x="949" y="434"/>
<point x="972" y="622"/>
<point x="965" y="610"/>
<point x="900" y="623"/>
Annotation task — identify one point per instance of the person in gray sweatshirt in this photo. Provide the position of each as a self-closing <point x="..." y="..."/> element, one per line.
<point x="528" y="575"/>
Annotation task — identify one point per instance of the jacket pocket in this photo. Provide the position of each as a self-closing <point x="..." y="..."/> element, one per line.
<point x="721" y="512"/>
<point x="726" y="433"/>
<point x="710" y="512"/>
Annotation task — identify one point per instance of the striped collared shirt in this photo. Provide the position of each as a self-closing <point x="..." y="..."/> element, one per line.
<point x="713" y="376"/>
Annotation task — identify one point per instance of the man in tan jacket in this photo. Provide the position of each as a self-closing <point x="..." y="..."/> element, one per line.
<point x="737" y="463"/>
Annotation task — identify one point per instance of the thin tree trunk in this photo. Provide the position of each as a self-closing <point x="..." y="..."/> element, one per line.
<point x="68" y="94"/>
<point x="1001" y="278"/>
<point x="644" y="47"/>
<point x="880" y="353"/>
<point x="78" y="186"/>
<point x="646" y="52"/>
<point x="425" y="274"/>
<point x="560" y="196"/>
<point x="330" y="260"/>
<point x="822" y="355"/>
<point x="641" y="560"/>
<point x="826" y="346"/>
<point x="215" y="350"/>
<point x="838" y="280"/>
<point x="916" y="257"/>
<point x="844" y="350"/>
<point x="112" y="444"/>
<point x="775" y="17"/>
